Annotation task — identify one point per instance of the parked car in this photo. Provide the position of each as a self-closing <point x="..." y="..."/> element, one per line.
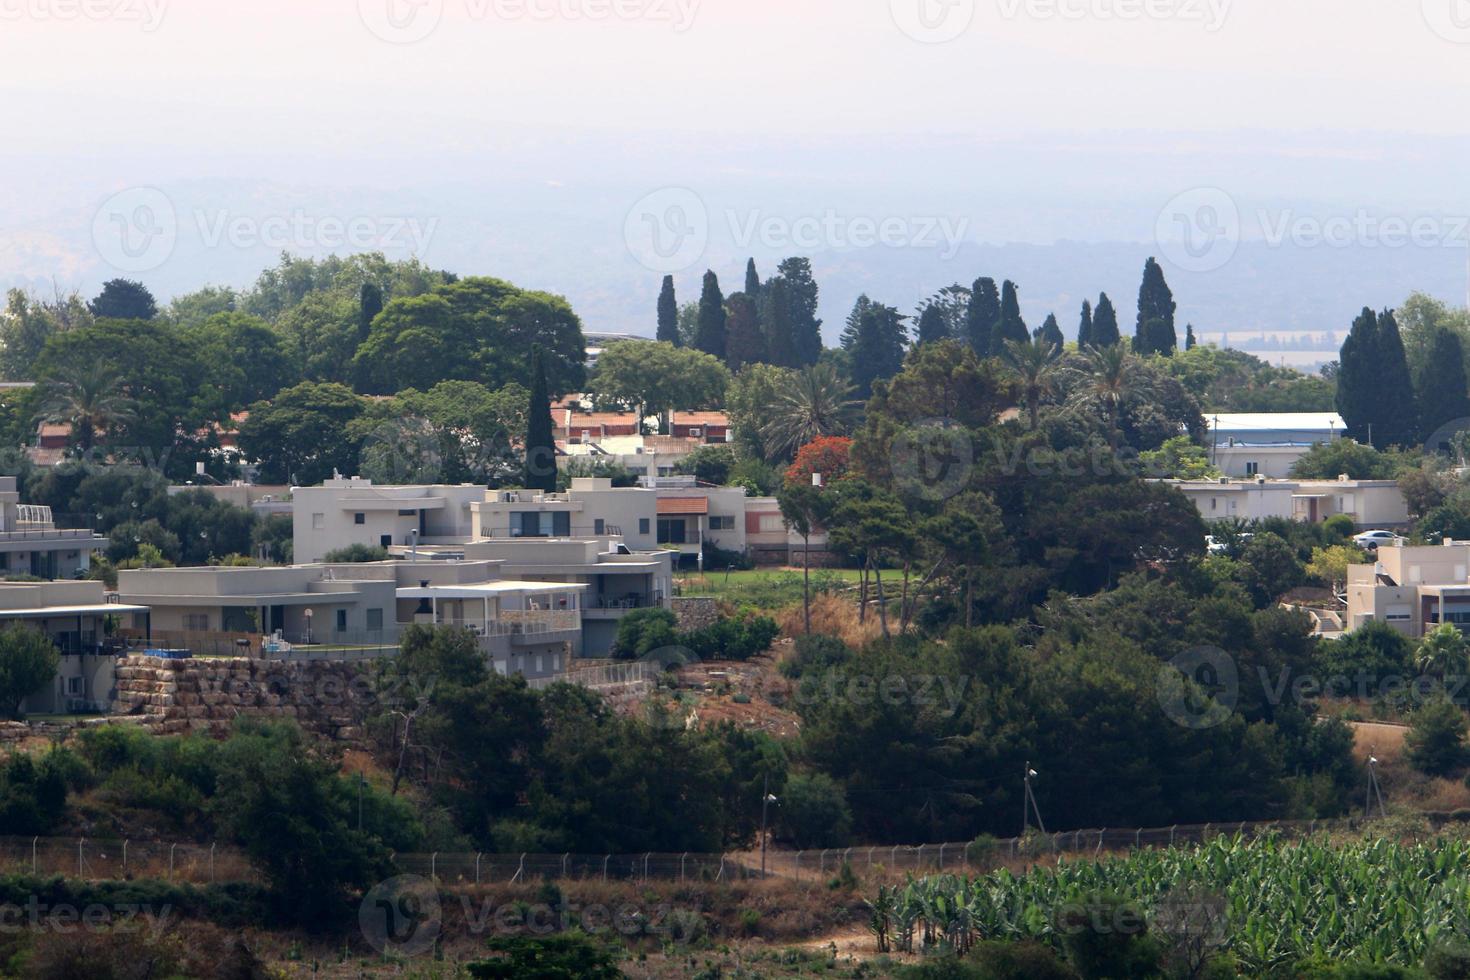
<point x="1221" y="545"/>
<point x="1370" y="540"/>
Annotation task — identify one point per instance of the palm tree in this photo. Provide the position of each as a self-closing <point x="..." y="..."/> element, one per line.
<point x="1111" y="378"/>
<point x="1443" y="652"/>
<point x="814" y="403"/>
<point x="87" y="397"/>
<point x="1035" y="365"/>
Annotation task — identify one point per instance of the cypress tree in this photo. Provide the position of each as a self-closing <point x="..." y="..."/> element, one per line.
<point x="369" y="305"/>
<point x="854" y="321"/>
<point x="776" y="322"/>
<point x="878" y="347"/>
<point x="1011" y="326"/>
<point x="668" y="314"/>
<point x="540" y="437"/>
<point x="1399" y="425"/>
<point x="1105" y="323"/>
<point x="1050" y="333"/>
<point x="932" y="326"/>
<point x="1441" y="389"/>
<point x="709" y="335"/>
<point x="1356" y="378"/>
<point x="1155" y="332"/>
<point x="1189" y="341"/>
<point x="1084" y="329"/>
<point x="745" y="343"/>
<point x="982" y="315"/>
<point x="801" y="302"/>
<point x="752" y="281"/>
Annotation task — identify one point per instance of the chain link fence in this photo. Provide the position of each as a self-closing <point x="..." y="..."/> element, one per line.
<point x="120" y="860"/>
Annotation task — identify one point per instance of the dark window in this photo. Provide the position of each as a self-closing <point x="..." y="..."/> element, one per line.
<point x="673" y="531"/>
<point x="386" y="541"/>
<point x="642" y="525"/>
<point x="599" y="526"/>
<point x="341" y="620"/>
<point x="561" y="524"/>
<point x="407" y="513"/>
<point x="359" y="518"/>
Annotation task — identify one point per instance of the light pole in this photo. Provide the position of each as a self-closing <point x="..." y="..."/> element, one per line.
<point x="1375" y="791"/>
<point x="413" y="544"/>
<point x="308" y="627"/>
<point x="766" y="800"/>
<point x="1028" y="803"/>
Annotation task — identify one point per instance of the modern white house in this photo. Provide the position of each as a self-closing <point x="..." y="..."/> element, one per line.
<point x="32" y="544"/>
<point x="348" y="511"/>
<point x="591" y="508"/>
<point x="1268" y="443"/>
<point x="1370" y="504"/>
<point x="1413" y="589"/>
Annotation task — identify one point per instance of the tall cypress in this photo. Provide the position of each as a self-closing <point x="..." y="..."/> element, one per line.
<point x="854" y="321"/>
<point x="710" y="335"/>
<point x="1155" y="333"/>
<point x="1010" y="326"/>
<point x="801" y="301"/>
<point x="1189" y="341"/>
<point x="744" y="341"/>
<point x="1398" y="423"/>
<point x="752" y="280"/>
<point x="1050" y="333"/>
<point x="878" y="347"/>
<point x="982" y="315"/>
<point x="932" y="326"/>
<point x="1357" y="383"/>
<point x="1105" y="323"/>
<point x="540" y="437"/>
<point x="776" y="322"/>
<point x="1084" y="329"/>
<point x="668" y="314"/>
<point x="369" y="305"/>
<point x="1441" y="388"/>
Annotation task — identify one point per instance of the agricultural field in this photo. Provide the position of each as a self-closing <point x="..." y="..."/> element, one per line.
<point x="1263" y="907"/>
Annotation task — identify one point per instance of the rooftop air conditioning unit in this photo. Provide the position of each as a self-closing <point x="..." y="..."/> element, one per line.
<point x="1260" y="480"/>
<point x="1344" y="478"/>
<point x="1224" y="481"/>
<point x="696" y="433"/>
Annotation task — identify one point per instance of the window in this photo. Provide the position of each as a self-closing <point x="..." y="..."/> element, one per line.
<point x="386" y="541"/>
<point x="407" y="513"/>
<point x="196" y="622"/>
<point x="73" y="685"/>
<point x="318" y="521"/>
<point x="375" y="619"/>
<point x="722" y="523"/>
<point x="341" y="620"/>
<point x="1252" y="469"/>
<point x="673" y="531"/>
<point x="359" y="519"/>
<point x="541" y="524"/>
<point x="599" y="526"/>
<point x="643" y="525"/>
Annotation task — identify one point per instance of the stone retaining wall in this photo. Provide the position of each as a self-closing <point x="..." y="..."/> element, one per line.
<point x="329" y="698"/>
<point x="695" y="613"/>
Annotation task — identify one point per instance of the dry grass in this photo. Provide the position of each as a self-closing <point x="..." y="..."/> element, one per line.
<point x="833" y="616"/>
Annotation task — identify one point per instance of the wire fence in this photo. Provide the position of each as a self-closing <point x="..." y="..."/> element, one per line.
<point x="113" y="859"/>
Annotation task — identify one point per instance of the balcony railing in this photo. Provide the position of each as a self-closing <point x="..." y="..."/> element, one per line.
<point x="49" y="534"/>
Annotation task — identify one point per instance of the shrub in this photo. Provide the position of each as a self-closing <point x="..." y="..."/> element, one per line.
<point x="28" y="662"/>
<point x="1448" y="961"/>
<point x="733" y="639"/>
<point x="1339" y="526"/>
<point x="644" y="631"/>
<point x="357" y="554"/>
<point x="1369" y="653"/>
<point x="815" y="653"/>
<point x="556" y="957"/>
<point x="814" y="812"/>
<point x="1104" y="936"/>
<point x="1436" y="738"/>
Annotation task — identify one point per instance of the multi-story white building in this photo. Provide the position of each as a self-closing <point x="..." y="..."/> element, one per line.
<point x="346" y="511"/>
<point x="32" y="544"/>
<point x="1369" y="503"/>
<point x="1412" y="589"/>
<point x="1268" y="443"/>
<point x="591" y="508"/>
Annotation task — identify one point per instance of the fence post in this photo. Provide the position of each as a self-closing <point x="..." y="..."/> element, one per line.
<point x="847" y="857"/>
<point x="33" y="854"/>
<point x="798" y="864"/>
<point x="682" y="858"/>
<point x="1100" y="834"/>
<point x="941" y="857"/>
<point x="564" y="859"/>
<point x="434" y="866"/>
<point x="519" y="871"/>
<point x="1204" y="835"/>
<point x="1138" y="839"/>
<point x="822" y="862"/>
<point x="721" y="875"/>
<point x="212" y="846"/>
<point x="870" y="857"/>
<point x="605" y="860"/>
<point x="645" y="865"/>
<point x="125" y="856"/>
<point x="171" y="848"/>
<point x="1171" y="834"/>
<point x="894" y="859"/>
<point x="81" y="842"/>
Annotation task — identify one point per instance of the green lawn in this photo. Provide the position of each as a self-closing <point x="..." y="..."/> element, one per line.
<point x="767" y="588"/>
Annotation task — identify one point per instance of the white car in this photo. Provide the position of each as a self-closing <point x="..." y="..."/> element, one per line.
<point x="1218" y="546"/>
<point x="1370" y="540"/>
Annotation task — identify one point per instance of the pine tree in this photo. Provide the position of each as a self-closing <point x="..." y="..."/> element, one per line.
<point x="745" y="343"/>
<point x="1398" y="416"/>
<point x="982" y="316"/>
<point x="776" y="322"/>
<point x="1357" y="383"/>
<point x="854" y="321"/>
<point x="1189" y="341"/>
<point x="369" y="305"/>
<point x="1155" y="332"/>
<point x="1084" y="329"/>
<point x="802" y="296"/>
<point x="878" y="347"/>
<point x="668" y="314"/>
<point x="1011" y="326"/>
<point x="752" y="280"/>
<point x="1050" y="333"/>
<point x="710" y="336"/>
<point x="540" y="438"/>
<point x="1441" y="389"/>
<point x="932" y="326"/>
<point x="1105" y="324"/>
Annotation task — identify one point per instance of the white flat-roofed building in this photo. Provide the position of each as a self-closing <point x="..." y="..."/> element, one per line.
<point x="1268" y="443"/>
<point x="32" y="544"/>
<point x="350" y="511"/>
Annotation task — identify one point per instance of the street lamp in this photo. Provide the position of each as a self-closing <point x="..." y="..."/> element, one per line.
<point x="1375" y="791"/>
<point x="413" y="544"/>
<point x="766" y="800"/>
<point x="308" y="627"/>
<point x="1028" y="804"/>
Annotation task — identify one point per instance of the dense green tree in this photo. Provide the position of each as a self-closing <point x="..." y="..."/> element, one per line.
<point x="28" y="662"/>
<point x="320" y="334"/>
<point x="1084" y="328"/>
<point x="1105" y="324"/>
<point x="124" y="299"/>
<point x="814" y="813"/>
<point x="932" y="326"/>
<point x="1010" y="326"/>
<point x="250" y="358"/>
<point x="1397" y="422"/>
<point x="1155" y="333"/>
<point x="710" y="336"/>
<point x="668" y="313"/>
<point x="1436" y="738"/>
<point x="1189" y="342"/>
<point x="301" y="435"/>
<point x="802" y="302"/>
<point x="89" y="398"/>
<point x="849" y="334"/>
<point x="476" y="329"/>
<point x="1441" y="388"/>
<point x="1357" y="383"/>
<point x="752" y="280"/>
<point x="653" y="378"/>
<point x="747" y="400"/>
<point x="540" y="440"/>
<point x="369" y="305"/>
<point x="778" y="323"/>
<point x="1035" y="364"/>
<point x="877" y="348"/>
<point x="982" y="315"/>
<point x="192" y="309"/>
<point x="1375" y="395"/>
<point x="745" y="343"/>
<point x="1050" y="333"/>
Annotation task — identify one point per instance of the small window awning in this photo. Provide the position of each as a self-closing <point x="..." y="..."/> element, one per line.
<point x="683" y="506"/>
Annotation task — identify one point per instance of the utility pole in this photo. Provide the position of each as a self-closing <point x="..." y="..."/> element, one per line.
<point x="1375" y="791"/>
<point x="1028" y="804"/>
<point x="766" y="800"/>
